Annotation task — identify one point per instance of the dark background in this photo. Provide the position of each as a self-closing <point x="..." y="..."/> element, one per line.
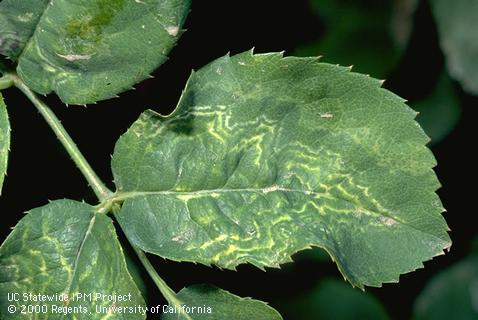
<point x="40" y="169"/>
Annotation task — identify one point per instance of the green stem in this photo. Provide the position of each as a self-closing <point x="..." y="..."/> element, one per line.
<point x="163" y="287"/>
<point x="167" y="292"/>
<point x="5" y="82"/>
<point x="101" y="191"/>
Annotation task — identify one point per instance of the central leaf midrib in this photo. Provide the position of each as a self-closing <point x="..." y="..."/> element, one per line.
<point x="273" y="188"/>
<point x="132" y="194"/>
<point x="78" y="254"/>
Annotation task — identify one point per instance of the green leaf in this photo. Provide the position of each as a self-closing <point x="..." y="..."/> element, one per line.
<point x="18" y="21"/>
<point x="265" y="156"/>
<point x="440" y="112"/>
<point x="92" y="50"/>
<point x="4" y="140"/>
<point x="457" y="25"/>
<point x="451" y="294"/>
<point x="211" y="303"/>
<point x="65" y="248"/>
<point x="356" y="33"/>
<point x="334" y="300"/>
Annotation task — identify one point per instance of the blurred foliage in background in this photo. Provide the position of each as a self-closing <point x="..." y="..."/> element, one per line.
<point x="333" y="299"/>
<point x="451" y="294"/>
<point x="373" y="35"/>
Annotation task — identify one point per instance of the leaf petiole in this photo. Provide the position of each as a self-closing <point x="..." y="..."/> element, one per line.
<point x="166" y="291"/>
<point x="101" y="191"/>
<point x="6" y="82"/>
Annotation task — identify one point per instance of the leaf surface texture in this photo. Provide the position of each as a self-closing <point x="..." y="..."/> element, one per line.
<point x="66" y="248"/>
<point x="86" y="51"/>
<point x="265" y="156"/>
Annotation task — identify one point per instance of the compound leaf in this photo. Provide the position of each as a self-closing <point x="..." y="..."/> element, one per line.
<point x="4" y="140"/>
<point x="457" y="25"/>
<point x="265" y="156"/>
<point x="205" y="302"/>
<point x="90" y="50"/>
<point x="62" y="249"/>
